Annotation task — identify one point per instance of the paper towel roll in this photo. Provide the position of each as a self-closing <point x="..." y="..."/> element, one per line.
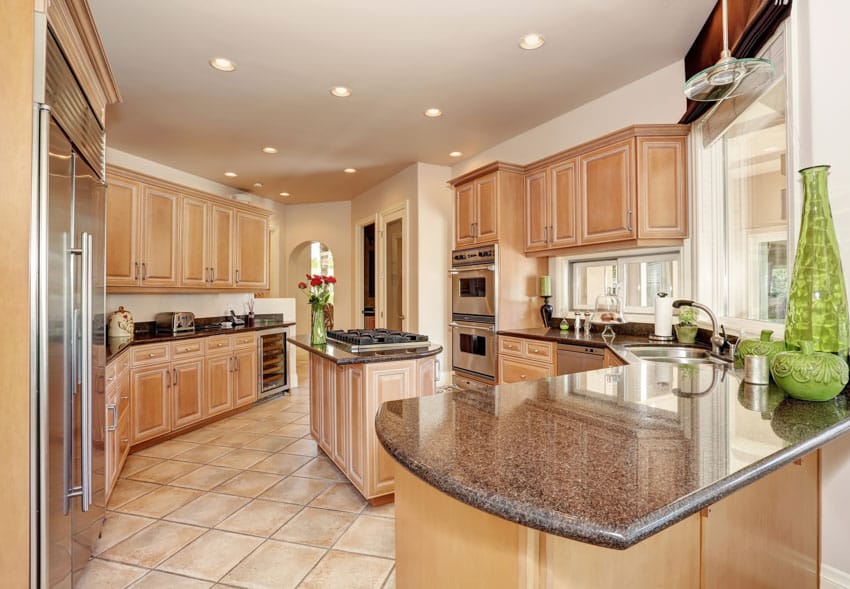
<point x="663" y="315"/>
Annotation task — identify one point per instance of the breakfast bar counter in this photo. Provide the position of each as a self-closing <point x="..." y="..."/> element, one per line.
<point x="686" y="464"/>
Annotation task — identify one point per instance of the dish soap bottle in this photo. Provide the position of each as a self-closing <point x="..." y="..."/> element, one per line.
<point x="565" y="325"/>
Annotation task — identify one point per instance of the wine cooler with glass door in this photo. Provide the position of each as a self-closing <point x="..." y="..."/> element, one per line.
<point x="271" y="355"/>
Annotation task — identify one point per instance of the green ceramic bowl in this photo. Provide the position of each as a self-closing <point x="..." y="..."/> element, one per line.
<point x="763" y="346"/>
<point x="808" y="375"/>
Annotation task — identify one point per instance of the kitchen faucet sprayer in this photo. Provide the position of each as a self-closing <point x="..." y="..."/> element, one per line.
<point x="718" y="336"/>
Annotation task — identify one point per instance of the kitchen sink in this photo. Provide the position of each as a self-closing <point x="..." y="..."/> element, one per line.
<point x="675" y="354"/>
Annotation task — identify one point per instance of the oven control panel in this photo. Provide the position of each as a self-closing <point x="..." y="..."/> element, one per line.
<point x="479" y="255"/>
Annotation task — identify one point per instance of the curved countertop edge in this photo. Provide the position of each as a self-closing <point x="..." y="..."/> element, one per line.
<point x="158" y="338"/>
<point x="545" y="520"/>
<point x="342" y="357"/>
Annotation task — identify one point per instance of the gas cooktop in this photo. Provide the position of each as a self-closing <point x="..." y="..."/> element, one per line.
<point x="364" y="340"/>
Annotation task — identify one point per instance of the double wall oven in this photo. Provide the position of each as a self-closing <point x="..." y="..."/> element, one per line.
<point x="474" y="280"/>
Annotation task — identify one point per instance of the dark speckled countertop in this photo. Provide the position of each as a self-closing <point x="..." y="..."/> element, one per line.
<point x="341" y="356"/>
<point x="607" y="457"/>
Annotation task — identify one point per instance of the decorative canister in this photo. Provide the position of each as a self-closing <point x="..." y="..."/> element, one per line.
<point x="808" y="375"/>
<point x="121" y="323"/>
<point x="764" y="346"/>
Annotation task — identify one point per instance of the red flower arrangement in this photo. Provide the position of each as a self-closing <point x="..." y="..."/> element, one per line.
<point x="320" y="289"/>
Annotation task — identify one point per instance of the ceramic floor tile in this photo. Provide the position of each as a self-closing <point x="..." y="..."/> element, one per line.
<point x="212" y="555"/>
<point x="154" y="544"/>
<point x="241" y="458"/>
<point x="370" y="535"/>
<point x="341" y="496"/>
<point x="118" y="527"/>
<point x="203" y="453"/>
<point x="260" y="518"/>
<point x="281" y="463"/>
<point x="167" y="449"/>
<point x="385" y="510"/>
<point x="126" y="490"/>
<point x="135" y="463"/>
<point x="231" y="424"/>
<point x="303" y="420"/>
<point x="160" y="502"/>
<point x="206" y="477"/>
<point x="236" y="439"/>
<point x="259" y="427"/>
<point x="302" y="448"/>
<point x="207" y="510"/>
<point x="296" y="490"/>
<point x="164" y="472"/>
<point x="390" y="582"/>
<point x="160" y="580"/>
<point x="270" y="443"/>
<point x="319" y="527"/>
<point x="321" y="468"/>
<point x="248" y="483"/>
<point x="352" y="571"/>
<point x="276" y="565"/>
<point x="204" y="435"/>
<point x="102" y="573"/>
<point x="293" y="430"/>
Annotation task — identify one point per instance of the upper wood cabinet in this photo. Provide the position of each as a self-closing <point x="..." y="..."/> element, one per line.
<point x="628" y="188"/>
<point x="482" y="198"/>
<point x="163" y="236"/>
<point x="465" y="214"/>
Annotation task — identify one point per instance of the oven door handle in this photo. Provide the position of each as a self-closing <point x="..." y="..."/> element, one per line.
<point x="490" y="267"/>
<point x="489" y="328"/>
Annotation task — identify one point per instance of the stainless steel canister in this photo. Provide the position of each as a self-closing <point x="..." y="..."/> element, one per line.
<point x="756" y="370"/>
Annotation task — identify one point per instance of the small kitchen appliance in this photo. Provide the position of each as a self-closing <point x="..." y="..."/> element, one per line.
<point x="175" y="322"/>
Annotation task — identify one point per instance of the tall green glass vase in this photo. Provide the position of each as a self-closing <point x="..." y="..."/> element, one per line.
<point x="817" y="303"/>
<point x="318" y="330"/>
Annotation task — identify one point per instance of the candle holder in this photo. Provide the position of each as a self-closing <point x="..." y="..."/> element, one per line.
<point x="546" y="312"/>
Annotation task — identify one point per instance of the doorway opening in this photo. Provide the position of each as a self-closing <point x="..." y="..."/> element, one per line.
<point x="369" y="276"/>
<point x="394" y="273"/>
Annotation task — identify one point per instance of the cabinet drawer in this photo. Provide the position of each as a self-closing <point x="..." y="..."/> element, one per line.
<point x="218" y="343"/>
<point x="187" y="349"/>
<point x="150" y="354"/>
<point x="510" y="345"/>
<point x="245" y="340"/>
<point x="511" y="370"/>
<point x="538" y="350"/>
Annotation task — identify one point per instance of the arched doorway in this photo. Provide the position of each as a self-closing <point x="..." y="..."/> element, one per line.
<point x="308" y="257"/>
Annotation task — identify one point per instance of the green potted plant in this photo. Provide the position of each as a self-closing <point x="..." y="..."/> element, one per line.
<point x="686" y="330"/>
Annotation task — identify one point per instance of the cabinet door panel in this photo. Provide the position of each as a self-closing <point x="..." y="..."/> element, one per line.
<point x="328" y="409"/>
<point x="487" y="209"/>
<point x="245" y="389"/>
<point x="357" y="436"/>
<point x="536" y="212"/>
<point x="159" y="237"/>
<point x="515" y="370"/>
<point x="122" y="232"/>
<point x="316" y="386"/>
<point x="464" y="214"/>
<point x="194" y="235"/>
<point x="662" y="187"/>
<point x="341" y="418"/>
<point x="607" y="193"/>
<point x="252" y="242"/>
<point x="386" y="382"/>
<point x="221" y="245"/>
<point x="149" y="400"/>
<point x="188" y="393"/>
<point x="564" y="204"/>
<point x="218" y="392"/>
<point x="426" y="377"/>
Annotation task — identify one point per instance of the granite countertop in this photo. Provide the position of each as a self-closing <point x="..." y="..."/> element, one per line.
<point x="341" y="356"/>
<point x="607" y="457"/>
<point x="114" y="346"/>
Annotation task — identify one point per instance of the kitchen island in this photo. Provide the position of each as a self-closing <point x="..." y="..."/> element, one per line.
<point x="648" y="475"/>
<point x="346" y="390"/>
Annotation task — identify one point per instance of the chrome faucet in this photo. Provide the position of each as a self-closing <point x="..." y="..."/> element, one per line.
<point x="718" y="336"/>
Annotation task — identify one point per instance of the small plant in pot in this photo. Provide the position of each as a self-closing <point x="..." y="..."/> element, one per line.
<point x="686" y="330"/>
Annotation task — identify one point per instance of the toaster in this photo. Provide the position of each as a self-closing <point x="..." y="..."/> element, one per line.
<point x="175" y="322"/>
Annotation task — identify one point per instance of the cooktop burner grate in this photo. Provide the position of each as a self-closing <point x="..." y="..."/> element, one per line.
<point x="360" y="340"/>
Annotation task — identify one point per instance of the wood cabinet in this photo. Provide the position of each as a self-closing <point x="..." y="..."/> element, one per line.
<point x="117" y="443"/>
<point x="524" y="360"/>
<point x="219" y="389"/>
<point x="163" y="236"/>
<point x="627" y="188"/>
<point x="481" y="198"/>
<point x="465" y="214"/>
<point x="610" y="359"/>
<point x="245" y="377"/>
<point x="187" y="392"/>
<point x="343" y="403"/>
<point x="150" y="410"/>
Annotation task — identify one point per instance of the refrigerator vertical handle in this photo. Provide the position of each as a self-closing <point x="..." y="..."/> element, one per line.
<point x="87" y="288"/>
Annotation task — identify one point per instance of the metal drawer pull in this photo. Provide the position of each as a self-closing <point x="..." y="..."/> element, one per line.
<point x="114" y="408"/>
<point x="151" y="354"/>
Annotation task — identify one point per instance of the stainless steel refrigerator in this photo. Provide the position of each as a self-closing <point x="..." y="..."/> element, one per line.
<point x="69" y="286"/>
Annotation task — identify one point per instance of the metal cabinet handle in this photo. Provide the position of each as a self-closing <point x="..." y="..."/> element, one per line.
<point x="125" y="440"/>
<point x="522" y="376"/>
<point x="144" y="271"/>
<point x="212" y="274"/>
<point x="87" y="317"/>
<point x="629" y="219"/>
<point x="135" y="271"/>
<point x="174" y="371"/>
<point x="114" y="409"/>
<point x="552" y="233"/>
<point x="151" y="354"/>
<point x="545" y="235"/>
<point x="437" y="370"/>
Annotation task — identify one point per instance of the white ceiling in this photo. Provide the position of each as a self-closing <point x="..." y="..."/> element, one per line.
<point x="399" y="57"/>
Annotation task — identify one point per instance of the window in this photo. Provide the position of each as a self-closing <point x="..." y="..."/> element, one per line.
<point x="637" y="279"/>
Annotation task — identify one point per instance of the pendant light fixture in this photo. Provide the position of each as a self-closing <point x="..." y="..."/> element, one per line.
<point x="729" y="77"/>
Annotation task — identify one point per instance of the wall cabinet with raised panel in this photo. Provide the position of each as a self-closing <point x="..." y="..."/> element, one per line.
<point x="482" y="199"/>
<point x="163" y="236"/>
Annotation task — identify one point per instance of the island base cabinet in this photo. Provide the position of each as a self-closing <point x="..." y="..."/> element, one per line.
<point x="764" y="535"/>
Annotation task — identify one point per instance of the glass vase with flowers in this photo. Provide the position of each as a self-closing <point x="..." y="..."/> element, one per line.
<point x="318" y="290"/>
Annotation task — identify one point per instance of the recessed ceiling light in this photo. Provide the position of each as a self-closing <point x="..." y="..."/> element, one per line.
<point x="455" y="154"/>
<point x="269" y="150"/>
<point x="350" y="170"/>
<point x="531" y="41"/>
<point x="284" y="194"/>
<point x="230" y="174"/>
<point x="341" y="91"/>
<point x="258" y="184"/>
<point x="222" y="64"/>
<point x="433" y="112"/>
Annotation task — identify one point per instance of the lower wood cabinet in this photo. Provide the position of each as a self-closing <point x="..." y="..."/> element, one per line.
<point x="219" y="389"/>
<point x="343" y="403"/>
<point x="187" y="392"/>
<point x="117" y="419"/>
<point x="245" y="377"/>
<point x="524" y="360"/>
<point x="150" y="411"/>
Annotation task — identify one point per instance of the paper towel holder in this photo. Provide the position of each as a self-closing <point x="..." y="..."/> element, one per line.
<point x="661" y="338"/>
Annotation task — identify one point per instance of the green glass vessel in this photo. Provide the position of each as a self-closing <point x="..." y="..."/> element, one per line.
<point x="817" y="301"/>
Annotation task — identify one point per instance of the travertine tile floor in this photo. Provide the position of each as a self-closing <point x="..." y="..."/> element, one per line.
<point x="245" y="502"/>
